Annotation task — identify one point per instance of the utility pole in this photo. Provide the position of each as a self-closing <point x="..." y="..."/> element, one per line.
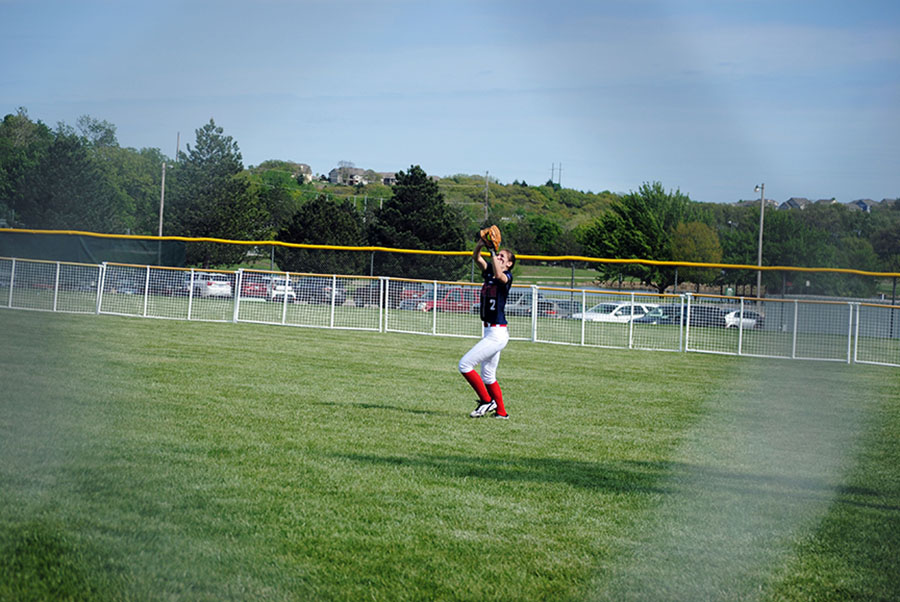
<point x="162" y="202"/>
<point x="162" y="197"/>
<point x="556" y="177"/>
<point x="761" y="189"/>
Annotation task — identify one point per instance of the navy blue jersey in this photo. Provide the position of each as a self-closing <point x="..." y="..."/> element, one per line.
<point x="493" y="296"/>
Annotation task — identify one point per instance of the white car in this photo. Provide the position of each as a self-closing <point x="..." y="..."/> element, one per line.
<point x="211" y="285"/>
<point x="279" y="289"/>
<point x="614" y="311"/>
<point x="751" y="319"/>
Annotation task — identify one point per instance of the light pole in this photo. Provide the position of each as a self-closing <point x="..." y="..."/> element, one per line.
<point x="162" y="204"/>
<point x="761" y="189"/>
<point x="162" y="197"/>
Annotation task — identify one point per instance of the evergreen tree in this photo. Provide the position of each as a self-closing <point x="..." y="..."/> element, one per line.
<point x="211" y="198"/>
<point x="321" y="221"/>
<point x="417" y="217"/>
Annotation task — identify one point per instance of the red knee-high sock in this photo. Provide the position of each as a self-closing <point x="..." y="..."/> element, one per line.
<point x="475" y="380"/>
<point x="497" y="395"/>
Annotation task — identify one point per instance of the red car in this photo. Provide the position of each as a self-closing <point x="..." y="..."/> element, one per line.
<point x="454" y="299"/>
<point x="254" y="286"/>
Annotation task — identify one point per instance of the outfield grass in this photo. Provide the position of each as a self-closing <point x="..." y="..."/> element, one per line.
<point x="156" y="459"/>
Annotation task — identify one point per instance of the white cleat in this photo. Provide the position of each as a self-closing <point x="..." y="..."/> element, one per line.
<point x="483" y="409"/>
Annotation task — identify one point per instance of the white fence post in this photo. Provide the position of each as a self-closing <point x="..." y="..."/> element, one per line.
<point x="434" y="298"/>
<point x="796" y="329"/>
<point x="146" y="289"/>
<point x="384" y="300"/>
<point x="101" y="283"/>
<point x="238" y="283"/>
<point x="631" y="323"/>
<point x="56" y="287"/>
<point x="583" y="309"/>
<point x="12" y="282"/>
<point x="284" y="302"/>
<point x="687" y="321"/>
<point x="191" y="296"/>
<point x="333" y="298"/>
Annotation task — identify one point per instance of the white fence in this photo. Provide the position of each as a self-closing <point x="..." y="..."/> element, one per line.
<point x="850" y="332"/>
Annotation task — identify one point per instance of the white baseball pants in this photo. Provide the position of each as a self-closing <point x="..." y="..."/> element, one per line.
<point x="487" y="353"/>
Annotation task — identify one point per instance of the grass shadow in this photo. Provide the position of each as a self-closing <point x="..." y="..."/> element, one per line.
<point x="614" y="477"/>
<point x="378" y="406"/>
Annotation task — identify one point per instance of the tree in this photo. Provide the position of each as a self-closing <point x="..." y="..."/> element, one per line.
<point x="67" y="189"/>
<point x="790" y="241"/>
<point x="97" y="133"/>
<point x="640" y="226"/>
<point x="417" y="217"/>
<point x="696" y="242"/>
<point x="886" y="244"/>
<point x="322" y="221"/>
<point x="537" y="235"/>
<point x="23" y="144"/>
<point x="211" y="198"/>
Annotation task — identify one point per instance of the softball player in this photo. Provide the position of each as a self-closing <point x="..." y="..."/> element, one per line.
<point x="497" y="282"/>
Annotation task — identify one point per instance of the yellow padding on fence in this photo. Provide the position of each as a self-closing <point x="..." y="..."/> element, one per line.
<point x="258" y="243"/>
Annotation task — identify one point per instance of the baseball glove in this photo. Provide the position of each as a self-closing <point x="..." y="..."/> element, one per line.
<point x="491" y="237"/>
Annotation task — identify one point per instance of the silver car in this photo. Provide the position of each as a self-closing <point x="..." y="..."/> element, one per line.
<point x="211" y="285"/>
<point x="614" y="311"/>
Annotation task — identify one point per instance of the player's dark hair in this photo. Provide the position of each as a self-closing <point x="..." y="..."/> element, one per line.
<point x="512" y="258"/>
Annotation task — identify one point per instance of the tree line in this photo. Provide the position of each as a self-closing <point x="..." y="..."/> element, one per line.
<point x="81" y="178"/>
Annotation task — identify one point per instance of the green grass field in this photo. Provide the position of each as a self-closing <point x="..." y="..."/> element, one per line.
<point x="158" y="459"/>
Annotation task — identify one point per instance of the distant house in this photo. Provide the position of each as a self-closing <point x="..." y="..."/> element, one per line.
<point x="864" y="205"/>
<point x="388" y="178"/>
<point x="795" y="202"/>
<point x="770" y="204"/>
<point x="350" y="176"/>
<point x="304" y="172"/>
<point x="831" y="201"/>
<point x="888" y="203"/>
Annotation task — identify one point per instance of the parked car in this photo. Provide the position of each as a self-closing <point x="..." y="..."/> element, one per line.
<point x="396" y="293"/>
<point x="166" y="282"/>
<point x="454" y="299"/>
<point x="519" y="303"/>
<point x="80" y="283"/>
<point x="413" y="304"/>
<point x="701" y="315"/>
<point x="707" y="315"/>
<point x="662" y="314"/>
<point x="211" y="285"/>
<point x="750" y="319"/>
<point x="318" y="290"/>
<point x="547" y="307"/>
<point x="279" y="290"/>
<point x="614" y="311"/>
<point x="254" y="286"/>
<point x="125" y="285"/>
<point x="558" y="308"/>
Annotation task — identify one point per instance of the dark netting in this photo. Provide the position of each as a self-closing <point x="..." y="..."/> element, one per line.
<point x="91" y="249"/>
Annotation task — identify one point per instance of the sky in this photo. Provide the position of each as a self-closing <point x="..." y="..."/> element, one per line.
<point x="710" y="98"/>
